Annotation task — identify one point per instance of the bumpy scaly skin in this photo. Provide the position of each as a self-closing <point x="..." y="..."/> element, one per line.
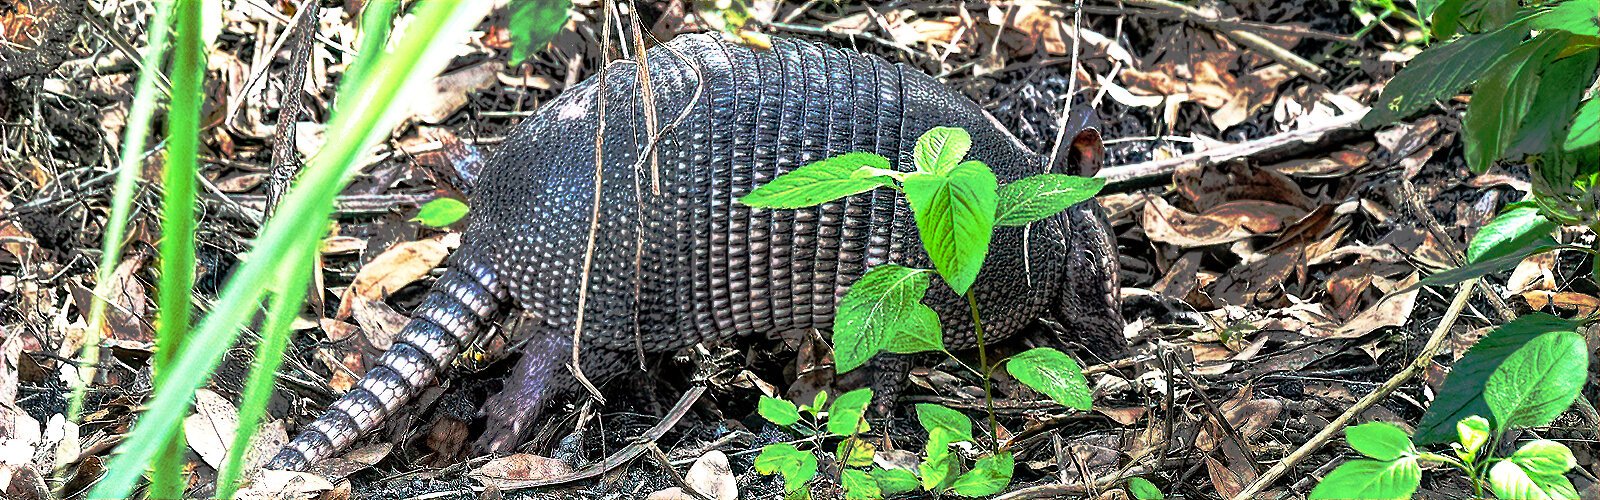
<point x="688" y="263"/>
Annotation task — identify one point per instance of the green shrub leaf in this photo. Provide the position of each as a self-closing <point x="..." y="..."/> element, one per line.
<point x="1441" y="72"/>
<point x="941" y="149"/>
<point x="955" y="218"/>
<point x="883" y="305"/>
<point x="1379" y="440"/>
<point x="533" y="24"/>
<point x="989" y="476"/>
<point x="1538" y="381"/>
<point x="858" y="485"/>
<point x="919" y="332"/>
<point x="1574" y="16"/>
<point x="817" y="403"/>
<point x="1040" y="196"/>
<point x="848" y="415"/>
<point x="1519" y="227"/>
<point x="895" y="481"/>
<point x="856" y="452"/>
<point x="820" y="182"/>
<point x="944" y="424"/>
<point x="1561" y="86"/>
<point x="441" y="212"/>
<point x="1585" y="130"/>
<point x="1502" y="98"/>
<point x="1445" y="16"/>
<point x="797" y="467"/>
<point x="1053" y="373"/>
<point x="1483" y="267"/>
<point x="1143" y="489"/>
<point x="1471" y="433"/>
<point x="778" y="411"/>
<point x="1462" y="394"/>
<point x="1370" y="479"/>
<point x="939" y="469"/>
<point x="1536" y="471"/>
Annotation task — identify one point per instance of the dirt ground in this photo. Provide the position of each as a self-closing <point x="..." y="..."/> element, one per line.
<point x="1257" y="286"/>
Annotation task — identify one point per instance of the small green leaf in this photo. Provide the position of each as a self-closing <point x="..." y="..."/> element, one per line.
<point x="989" y="476"/>
<point x="797" y="467"/>
<point x="858" y="485"/>
<point x="1441" y="72"/>
<point x="944" y="422"/>
<point x="1037" y="197"/>
<point x="1561" y="87"/>
<point x="1370" y="479"/>
<point x="955" y="213"/>
<point x="1379" y="440"/>
<point x="1538" y="381"/>
<point x="1536" y="471"/>
<point x="940" y="149"/>
<point x="441" y="212"/>
<point x="820" y="182"/>
<point x="879" y="307"/>
<point x="1519" y="227"/>
<point x="939" y="470"/>
<point x="1462" y="394"/>
<point x="1471" y="434"/>
<point x="1502" y="98"/>
<point x="1143" y="489"/>
<point x="920" y="332"/>
<point x="533" y="24"/>
<point x="1053" y="373"/>
<point x="1585" y="129"/>
<point x="895" y="481"/>
<point x="848" y="415"/>
<point x="855" y="452"/>
<point x="817" y="403"/>
<point x="778" y="411"/>
<point x="1446" y="17"/>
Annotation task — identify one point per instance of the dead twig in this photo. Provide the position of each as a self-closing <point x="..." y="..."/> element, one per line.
<point x="1417" y="365"/>
<point x="1064" y="490"/>
<point x="1131" y="176"/>
<point x="677" y="479"/>
<point x="1238" y="34"/>
<point x="626" y="454"/>
<point x="285" y="163"/>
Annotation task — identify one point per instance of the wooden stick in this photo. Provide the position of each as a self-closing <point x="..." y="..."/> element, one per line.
<point x="1245" y="38"/>
<point x="1128" y="176"/>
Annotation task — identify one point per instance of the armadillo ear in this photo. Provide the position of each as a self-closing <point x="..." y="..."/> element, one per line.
<point x="1087" y="154"/>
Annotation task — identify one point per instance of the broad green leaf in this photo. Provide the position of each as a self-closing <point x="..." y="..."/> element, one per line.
<point x="945" y="422"/>
<point x="858" y="485"/>
<point x="1379" y="440"/>
<point x="1536" y="471"/>
<point x="939" y="469"/>
<point x="1574" y="16"/>
<point x="1370" y="479"/>
<point x="1471" y="434"/>
<point x="797" y="467"/>
<point x="778" y="411"/>
<point x="856" y="452"/>
<point x="1561" y="86"/>
<point x="1053" y="373"/>
<point x="989" y="476"/>
<point x="848" y="415"/>
<point x="1585" y="130"/>
<point x="1040" y="196"/>
<point x="441" y="212"/>
<point x="1502" y="98"/>
<point x="1519" y="227"/>
<point x="895" y="481"/>
<point x="1441" y="72"/>
<point x="1461" y="395"/>
<point x="820" y="182"/>
<point x="1538" y="381"/>
<point x="955" y="219"/>
<point x="920" y="332"/>
<point x="1445" y="17"/>
<point x="884" y="304"/>
<point x="1143" y="489"/>
<point x="941" y="149"/>
<point x="1482" y="267"/>
<point x="533" y="24"/>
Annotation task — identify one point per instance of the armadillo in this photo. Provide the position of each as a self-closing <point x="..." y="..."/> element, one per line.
<point x="677" y="260"/>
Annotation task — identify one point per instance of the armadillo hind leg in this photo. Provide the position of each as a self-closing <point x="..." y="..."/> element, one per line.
<point x="512" y="414"/>
<point x="453" y="312"/>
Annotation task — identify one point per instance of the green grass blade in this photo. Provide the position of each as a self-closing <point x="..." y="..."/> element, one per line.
<point x="177" y="227"/>
<point x="128" y="165"/>
<point x="287" y="297"/>
<point x="377" y="16"/>
<point x="360" y="123"/>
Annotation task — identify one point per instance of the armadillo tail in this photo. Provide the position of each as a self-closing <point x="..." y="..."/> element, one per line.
<point x="460" y="303"/>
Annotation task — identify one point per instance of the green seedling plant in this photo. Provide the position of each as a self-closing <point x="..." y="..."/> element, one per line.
<point x="957" y="203"/>
<point x="941" y="471"/>
<point x="1530" y="66"/>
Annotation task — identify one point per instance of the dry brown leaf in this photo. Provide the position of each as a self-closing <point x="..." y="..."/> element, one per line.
<point x="1125" y="416"/>
<point x="1581" y="304"/>
<point x="710" y="476"/>
<point x="23" y="482"/>
<point x="397" y="267"/>
<point x="518" y="468"/>
<point x="1393" y="311"/>
<point x="1180" y="278"/>
<point x="240" y="183"/>
<point x="343" y="245"/>
<point x="379" y="322"/>
<point x="1213" y="184"/>
<point x="278" y="484"/>
<point x="1248" y="419"/>
<point x="449" y="92"/>
<point x="1227" y="481"/>
<point x="355" y="461"/>
<point x="210" y="429"/>
<point x="1535" y="273"/>
<point x="1165" y="223"/>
